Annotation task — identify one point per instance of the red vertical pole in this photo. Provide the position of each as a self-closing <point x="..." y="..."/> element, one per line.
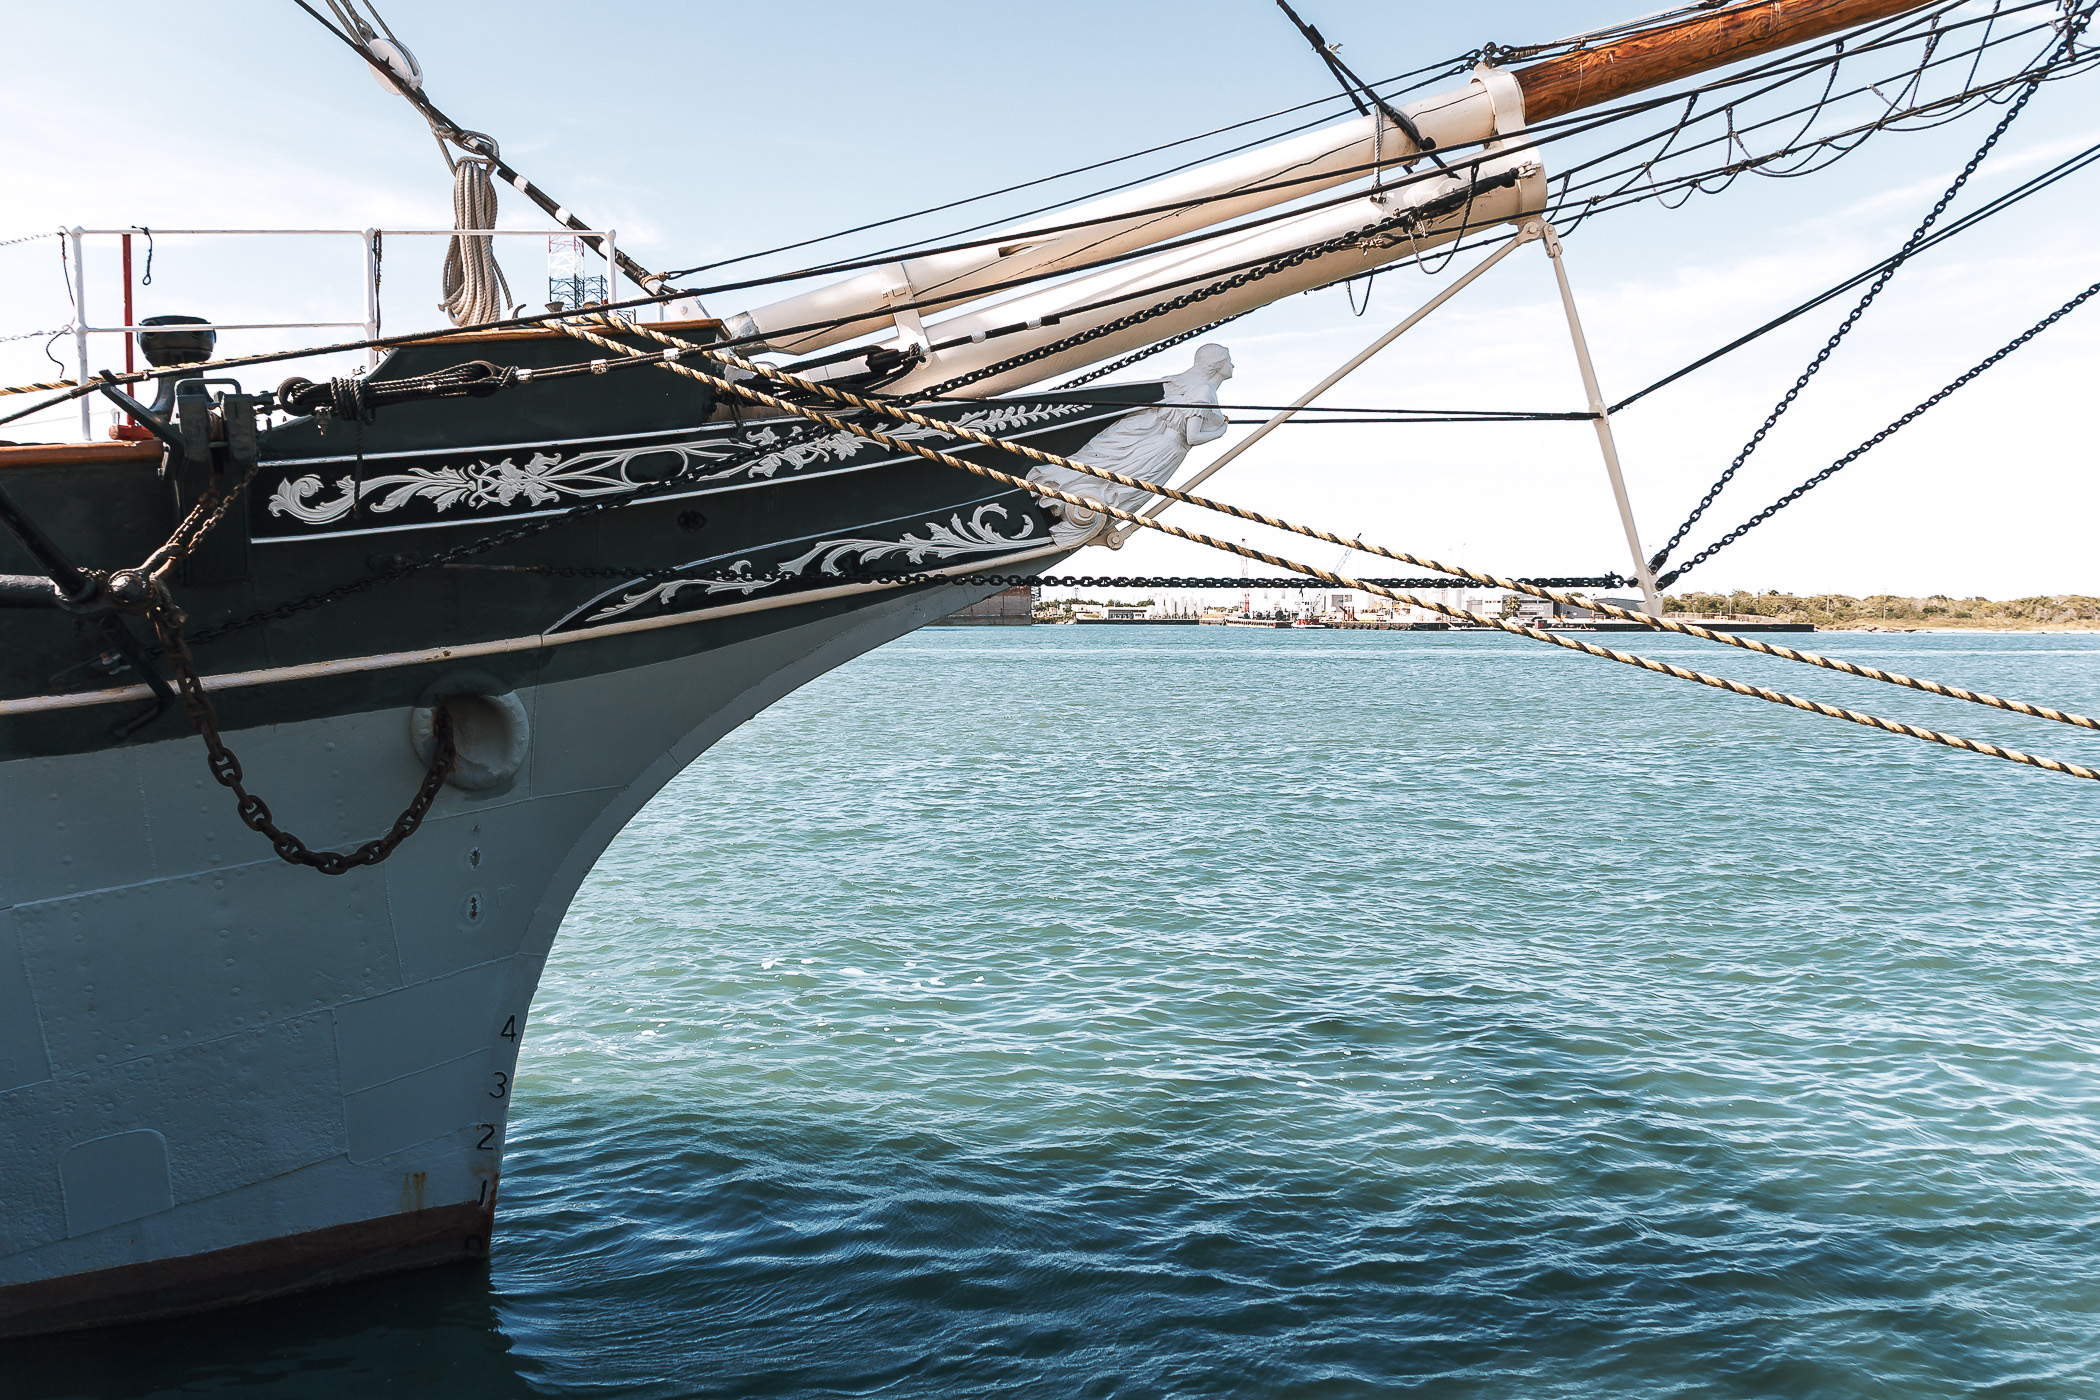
<point x="128" y="337"/>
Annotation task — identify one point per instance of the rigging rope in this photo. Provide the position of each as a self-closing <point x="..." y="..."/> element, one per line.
<point x="1902" y="255"/>
<point x="1538" y="135"/>
<point x="1875" y="441"/>
<point x="669" y="361"/>
<point x="2052" y="69"/>
<point x="1448" y="67"/>
<point x="1896" y="34"/>
<point x="2025" y="190"/>
<point x="1537" y="588"/>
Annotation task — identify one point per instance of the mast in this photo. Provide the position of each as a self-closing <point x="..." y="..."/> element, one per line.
<point x="1664" y="54"/>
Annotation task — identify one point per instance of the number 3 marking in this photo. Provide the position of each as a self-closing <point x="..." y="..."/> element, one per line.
<point x="502" y="1085"/>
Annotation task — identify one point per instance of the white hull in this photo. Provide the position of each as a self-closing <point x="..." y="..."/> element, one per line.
<point x="223" y="1076"/>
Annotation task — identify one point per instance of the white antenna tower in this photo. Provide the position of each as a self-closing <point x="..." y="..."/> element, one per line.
<point x="568" y="284"/>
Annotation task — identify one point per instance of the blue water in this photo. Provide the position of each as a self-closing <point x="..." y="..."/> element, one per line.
<point x="1187" y="1012"/>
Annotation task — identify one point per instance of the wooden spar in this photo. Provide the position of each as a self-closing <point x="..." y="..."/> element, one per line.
<point x="1669" y="52"/>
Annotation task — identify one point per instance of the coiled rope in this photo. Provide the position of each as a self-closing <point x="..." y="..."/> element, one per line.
<point x="475" y="289"/>
<point x="669" y="360"/>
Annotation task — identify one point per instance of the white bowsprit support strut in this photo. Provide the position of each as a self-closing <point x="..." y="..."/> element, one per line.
<point x="1304" y="400"/>
<point x="1530" y="231"/>
<point x="1600" y="415"/>
<point x="911" y="332"/>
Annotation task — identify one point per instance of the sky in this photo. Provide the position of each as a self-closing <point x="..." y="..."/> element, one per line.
<point x="704" y="131"/>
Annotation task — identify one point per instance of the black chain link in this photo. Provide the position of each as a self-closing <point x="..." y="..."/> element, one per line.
<point x="1875" y="441"/>
<point x="1148" y="352"/>
<point x="1288" y="581"/>
<point x="254" y="813"/>
<point x="1903" y="255"/>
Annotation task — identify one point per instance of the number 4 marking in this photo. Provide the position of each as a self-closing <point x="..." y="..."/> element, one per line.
<point x="510" y="1029"/>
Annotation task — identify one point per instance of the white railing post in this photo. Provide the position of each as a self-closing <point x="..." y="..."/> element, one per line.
<point x="373" y="325"/>
<point x="80" y="331"/>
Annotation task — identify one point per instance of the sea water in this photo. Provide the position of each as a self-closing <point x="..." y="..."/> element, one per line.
<point x="1099" y="1011"/>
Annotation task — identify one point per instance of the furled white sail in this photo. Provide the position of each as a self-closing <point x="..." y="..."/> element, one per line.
<point x="1489" y="105"/>
<point x="1084" y="303"/>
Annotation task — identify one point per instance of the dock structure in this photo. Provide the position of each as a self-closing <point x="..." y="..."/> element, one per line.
<point x="1015" y="607"/>
<point x="1369" y="625"/>
<point x="1089" y="620"/>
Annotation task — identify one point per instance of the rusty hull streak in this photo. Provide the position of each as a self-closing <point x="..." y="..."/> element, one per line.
<point x="248" y="1273"/>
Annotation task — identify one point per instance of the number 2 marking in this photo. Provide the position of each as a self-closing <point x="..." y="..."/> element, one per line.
<point x="488" y="1134"/>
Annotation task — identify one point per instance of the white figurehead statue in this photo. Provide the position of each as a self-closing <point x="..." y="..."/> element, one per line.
<point x="1149" y="445"/>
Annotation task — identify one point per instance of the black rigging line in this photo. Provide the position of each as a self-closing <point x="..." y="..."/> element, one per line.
<point x="1875" y="441"/>
<point x="1539" y="135"/>
<point x="1454" y="65"/>
<point x="2063" y="170"/>
<point x="1726" y="138"/>
<point x="1794" y="64"/>
<point x="1241" y="273"/>
<point x="1968" y="221"/>
<point x="1352" y="85"/>
<point x="2026" y="190"/>
<point x="1205" y="235"/>
<point x="1895" y="25"/>
<point x="1909" y="248"/>
<point x="1780" y="70"/>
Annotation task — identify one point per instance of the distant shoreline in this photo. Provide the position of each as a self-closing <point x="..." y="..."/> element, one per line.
<point x="2048" y="628"/>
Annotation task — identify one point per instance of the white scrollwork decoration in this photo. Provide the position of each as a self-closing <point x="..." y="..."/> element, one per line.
<point x="941" y="542"/>
<point x="958" y="537"/>
<point x="540" y="480"/>
<point x="545" y="478"/>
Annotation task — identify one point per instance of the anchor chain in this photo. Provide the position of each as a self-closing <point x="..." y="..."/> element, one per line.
<point x="254" y="813"/>
<point x="143" y="590"/>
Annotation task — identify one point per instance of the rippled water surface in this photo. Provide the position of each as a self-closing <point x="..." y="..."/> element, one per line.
<point x="1162" y="1012"/>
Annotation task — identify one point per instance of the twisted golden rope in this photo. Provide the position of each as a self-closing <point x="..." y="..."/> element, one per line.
<point x="669" y="360"/>
<point x="1784" y="653"/>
